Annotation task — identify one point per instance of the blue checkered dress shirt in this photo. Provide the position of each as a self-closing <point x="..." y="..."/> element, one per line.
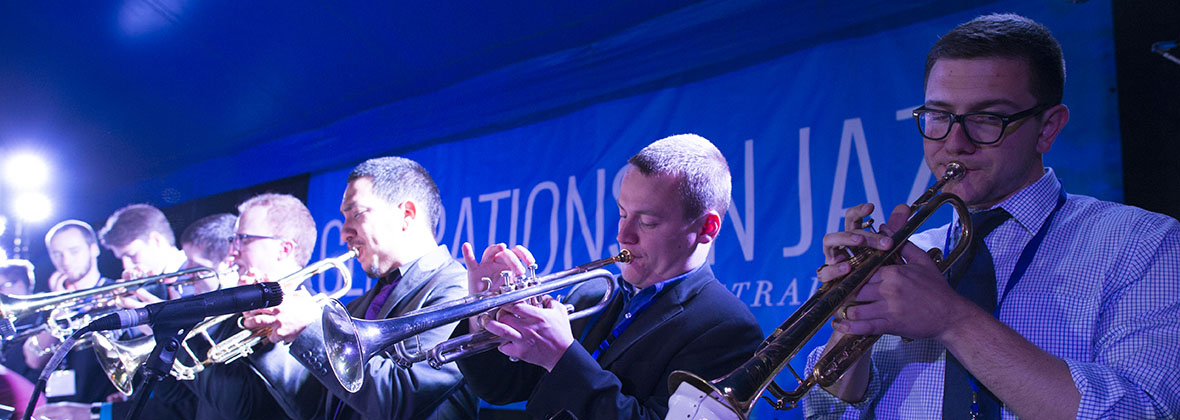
<point x="1102" y="294"/>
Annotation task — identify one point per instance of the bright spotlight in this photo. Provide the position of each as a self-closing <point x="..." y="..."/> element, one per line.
<point x="26" y="171"/>
<point x="32" y="207"/>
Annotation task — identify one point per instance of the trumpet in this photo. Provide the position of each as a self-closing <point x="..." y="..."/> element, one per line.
<point x="351" y="342"/>
<point x="733" y="395"/>
<point x="69" y="311"/>
<point x="121" y="358"/>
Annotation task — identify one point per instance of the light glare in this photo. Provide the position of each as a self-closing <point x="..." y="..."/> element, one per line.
<point x="26" y="171"/>
<point x="32" y="207"/>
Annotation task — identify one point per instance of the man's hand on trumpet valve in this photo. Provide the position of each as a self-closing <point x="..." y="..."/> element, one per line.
<point x="539" y="335"/>
<point x="536" y="331"/>
<point x="911" y="299"/>
<point x="287" y="320"/>
<point x="496" y="259"/>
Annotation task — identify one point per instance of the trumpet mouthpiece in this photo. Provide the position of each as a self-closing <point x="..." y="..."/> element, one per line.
<point x="955" y="170"/>
<point x="624" y="256"/>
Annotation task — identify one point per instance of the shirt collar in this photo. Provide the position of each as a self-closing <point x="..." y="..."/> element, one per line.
<point x="1030" y="206"/>
<point x="651" y="291"/>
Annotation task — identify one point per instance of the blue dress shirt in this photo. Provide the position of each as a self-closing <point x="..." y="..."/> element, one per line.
<point x="1102" y="294"/>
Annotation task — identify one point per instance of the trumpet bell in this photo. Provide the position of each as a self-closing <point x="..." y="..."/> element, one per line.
<point x="344" y="353"/>
<point x="120" y="358"/>
<point x="349" y="342"/>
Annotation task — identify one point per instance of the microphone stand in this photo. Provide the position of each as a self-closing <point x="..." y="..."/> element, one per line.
<point x="168" y="336"/>
<point x="58" y="356"/>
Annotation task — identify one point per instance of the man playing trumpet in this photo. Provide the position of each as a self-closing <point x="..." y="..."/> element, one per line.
<point x="1065" y="304"/>
<point x="390" y="207"/>
<point x="274" y="237"/>
<point x="668" y="313"/>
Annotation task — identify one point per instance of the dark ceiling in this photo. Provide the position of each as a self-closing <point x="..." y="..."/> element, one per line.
<point x="124" y="98"/>
<point x="120" y="91"/>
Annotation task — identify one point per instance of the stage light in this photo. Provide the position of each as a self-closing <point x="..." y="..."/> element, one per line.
<point x="32" y="207"/>
<point x="26" y="171"/>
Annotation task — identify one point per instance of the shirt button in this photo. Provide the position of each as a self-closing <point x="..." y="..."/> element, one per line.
<point x="628" y="315"/>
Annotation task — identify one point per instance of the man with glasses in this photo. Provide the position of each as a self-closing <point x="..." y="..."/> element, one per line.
<point x="1065" y="306"/>
<point x="274" y="237"/>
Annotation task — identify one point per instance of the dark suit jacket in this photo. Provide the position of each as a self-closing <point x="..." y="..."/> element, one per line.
<point x="696" y="325"/>
<point x="389" y="391"/>
<point x="225" y="391"/>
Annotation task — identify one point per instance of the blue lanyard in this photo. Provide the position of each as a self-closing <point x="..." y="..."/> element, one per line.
<point x="1026" y="255"/>
<point x="1030" y="251"/>
<point x="632" y="310"/>
<point x="1022" y="264"/>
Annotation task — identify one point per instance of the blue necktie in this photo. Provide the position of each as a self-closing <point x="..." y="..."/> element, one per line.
<point x="974" y="277"/>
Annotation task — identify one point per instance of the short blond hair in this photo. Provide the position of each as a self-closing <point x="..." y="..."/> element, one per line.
<point x="705" y="183"/>
<point x="289" y="219"/>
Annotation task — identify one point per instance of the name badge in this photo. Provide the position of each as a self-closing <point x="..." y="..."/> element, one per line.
<point x="61" y="384"/>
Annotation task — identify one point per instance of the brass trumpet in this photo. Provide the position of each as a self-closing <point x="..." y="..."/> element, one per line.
<point x="69" y="311"/>
<point x="121" y="358"/>
<point x="738" y="390"/>
<point x="351" y="342"/>
<point x="242" y="343"/>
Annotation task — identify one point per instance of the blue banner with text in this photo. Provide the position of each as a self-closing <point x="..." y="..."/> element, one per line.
<point x="807" y="135"/>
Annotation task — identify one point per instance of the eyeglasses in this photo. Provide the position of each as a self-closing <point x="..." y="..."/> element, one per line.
<point x="236" y="240"/>
<point x="980" y="127"/>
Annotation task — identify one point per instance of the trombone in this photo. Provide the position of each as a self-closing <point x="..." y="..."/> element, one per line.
<point x="733" y="395"/>
<point x="69" y="311"/>
<point x="121" y="358"/>
<point x="351" y="342"/>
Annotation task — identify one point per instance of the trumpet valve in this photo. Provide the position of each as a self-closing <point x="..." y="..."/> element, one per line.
<point x="531" y="273"/>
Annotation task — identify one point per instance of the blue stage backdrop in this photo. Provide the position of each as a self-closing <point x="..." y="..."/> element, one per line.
<point x="806" y="135"/>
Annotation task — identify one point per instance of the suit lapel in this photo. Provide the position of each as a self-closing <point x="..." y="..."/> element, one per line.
<point x="603" y="324"/>
<point x="358" y="306"/>
<point x="665" y="308"/>
<point x="416" y="274"/>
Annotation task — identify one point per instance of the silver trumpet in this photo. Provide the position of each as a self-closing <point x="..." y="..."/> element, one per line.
<point x="121" y="358"/>
<point x="67" y="312"/>
<point x="351" y="342"/>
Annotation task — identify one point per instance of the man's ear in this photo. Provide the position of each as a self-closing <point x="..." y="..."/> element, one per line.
<point x="1051" y="125"/>
<point x="288" y="249"/>
<point x="710" y="227"/>
<point x="156" y="239"/>
<point x="409" y="212"/>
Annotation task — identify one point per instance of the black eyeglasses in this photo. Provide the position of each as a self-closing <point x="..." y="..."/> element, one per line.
<point x="237" y="239"/>
<point x="980" y="127"/>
